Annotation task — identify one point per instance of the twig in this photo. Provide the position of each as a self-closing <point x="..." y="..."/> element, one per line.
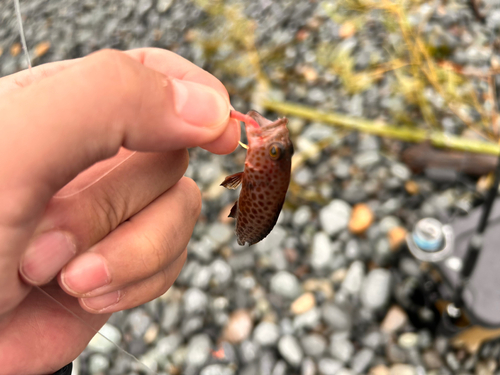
<point x="436" y="138"/>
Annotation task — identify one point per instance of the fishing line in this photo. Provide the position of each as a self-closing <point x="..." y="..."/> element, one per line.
<point x="80" y="319"/>
<point x="95" y="331"/>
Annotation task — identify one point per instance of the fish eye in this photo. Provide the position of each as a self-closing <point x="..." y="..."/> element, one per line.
<point x="275" y="151"/>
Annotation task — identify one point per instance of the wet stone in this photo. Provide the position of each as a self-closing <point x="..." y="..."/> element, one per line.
<point x="310" y="319"/>
<point x="401" y="171"/>
<point x="342" y="169"/>
<point x="217" y="369"/>
<point x="335" y="217"/>
<point x="168" y="344"/>
<point x="201" y="278"/>
<point x="285" y="284"/>
<point x="195" y="301"/>
<point x="394" y="320"/>
<point x="402" y="369"/>
<point x="302" y="216"/>
<point x="408" y="340"/>
<point x="98" y="363"/>
<point x="367" y="159"/>
<point x="171" y="316"/>
<point x="100" y="344"/>
<point x="249" y="351"/>
<point x="308" y="367"/>
<point x="314" y="344"/>
<point x="376" y="289"/>
<point x="198" y="350"/>
<point x="138" y="321"/>
<point x="354" y="278"/>
<point x="266" y="334"/>
<point x="220" y="233"/>
<point x="362" y="360"/>
<point x="239" y="326"/>
<point x="191" y="325"/>
<point x="221" y="273"/>
<point x="341" y="348"/>
<point x="290" y="350"/>
<point x="321" y="251"/>
<point x="328" y="366"/>
<point x="335" y="317"/>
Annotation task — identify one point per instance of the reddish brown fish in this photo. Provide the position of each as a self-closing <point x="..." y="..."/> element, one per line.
<point x="265" y="179"/>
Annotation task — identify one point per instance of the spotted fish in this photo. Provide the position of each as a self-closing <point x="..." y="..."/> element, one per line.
<point x="265" y="179"/>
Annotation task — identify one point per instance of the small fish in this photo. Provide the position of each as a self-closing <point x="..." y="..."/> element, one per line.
<point x="265" y="178"/>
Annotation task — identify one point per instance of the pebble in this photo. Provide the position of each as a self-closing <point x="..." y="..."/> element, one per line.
<point x="335" y="317"/>
<point x="100" y="344"/>
<point x="354" y="278"/>
<point x="310" y="319"/>
<point x="303" y="304"/>
<point x="221" y="273"/>
<point x="163" y="5"/>
<point x="321" y="252"/>
<point x="361" y="218"/>
<point x="239" y="327"/>
<point x="198" y="350"/>
<point x="394" y="320"/>
<point x="334" y="217"/>
<point x="290" y="350"/>
<point x="171" y="315"/>
<point x="314" y="344"/>
<point x="366" y="159"/>
<point x="139" y="321"/>
<point x="328" y="366"/>
<point x="376" y="289"/>
<point x="341" y="348"/>
<point x="308" y="367"/>
<point x="217" y="369"/>
<point x="98" y="363"/>
<point x="402" y="369"/>
<point x="408" y="340"/>
<point x="220" y="233"/>
<point x="361" y="361"/>
<point x="168" y="344"/>
<point x="285" y="284"/>
<point x="302" y="216"/>
<point x="379" y="370"/>
<point x="194" y="301"/>
<point x="432" y="359"/>
<point x="401" y="171"/>
<point x="266" y="334"/>
<point x="396" y="237"/>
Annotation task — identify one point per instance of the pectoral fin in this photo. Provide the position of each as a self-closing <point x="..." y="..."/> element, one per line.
<point x="233" y="181"/>
<point x="234" y="210"/>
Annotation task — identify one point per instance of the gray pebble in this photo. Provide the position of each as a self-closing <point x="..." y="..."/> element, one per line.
<point x="100" y="344"/>
<point x="198" y="350"/>
<point x="266" y="334"/>
<point x="314" y="344"/>
<point x="328" y="366"/>
<point x="362" y="360"/>
<point x="98" y="363"/>
<point x="335" y="216"/>
<point x="194" y="301"/>
<point x="290" y="350"/>
<point x="335" y="317"/>
<point x="376" y="289"/>
<point x="285" y="284"/>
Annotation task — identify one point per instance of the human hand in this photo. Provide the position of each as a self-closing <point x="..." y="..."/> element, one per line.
<point x="118" y="230"/>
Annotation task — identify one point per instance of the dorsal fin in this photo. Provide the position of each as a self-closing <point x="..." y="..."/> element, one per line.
<point x="233" y="181"/>
<point x="234" y="210"/>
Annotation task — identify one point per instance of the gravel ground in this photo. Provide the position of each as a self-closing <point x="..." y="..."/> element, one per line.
<point x="323" y="293"/>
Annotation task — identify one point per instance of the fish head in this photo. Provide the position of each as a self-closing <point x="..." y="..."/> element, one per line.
<point x="270" y="141"/>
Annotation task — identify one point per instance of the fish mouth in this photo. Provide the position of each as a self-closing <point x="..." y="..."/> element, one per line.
<point x="266" y="124"/>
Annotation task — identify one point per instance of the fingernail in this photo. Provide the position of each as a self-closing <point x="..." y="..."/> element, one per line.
<point x="86" y="273"/>
<point x="198" y="104"/>
<point x="101" y="302"/>
<point x="46" y="255"/>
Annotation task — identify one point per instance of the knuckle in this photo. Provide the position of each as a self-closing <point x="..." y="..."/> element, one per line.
<point x="109" y="209"/>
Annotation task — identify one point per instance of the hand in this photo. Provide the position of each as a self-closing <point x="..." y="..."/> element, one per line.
<point x="115" y="235"/>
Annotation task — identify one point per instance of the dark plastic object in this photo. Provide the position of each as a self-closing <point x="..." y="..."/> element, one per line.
<point x="481" y="295"/>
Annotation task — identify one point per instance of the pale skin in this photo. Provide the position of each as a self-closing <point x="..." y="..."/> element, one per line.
<point x="115" y="244"/>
